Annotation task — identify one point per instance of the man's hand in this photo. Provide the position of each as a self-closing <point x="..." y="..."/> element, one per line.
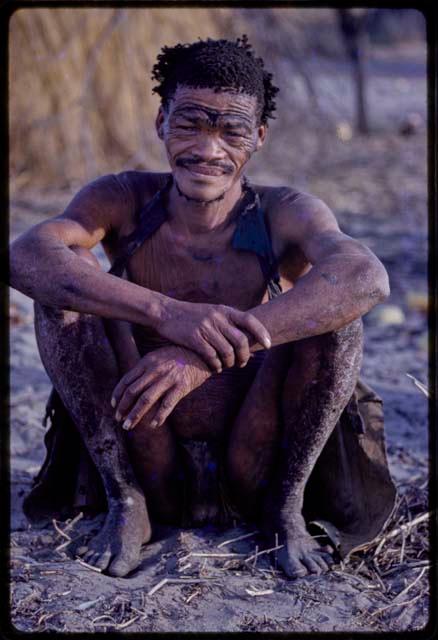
<point x="156" y="384"/>
<point x="216" y="332"/>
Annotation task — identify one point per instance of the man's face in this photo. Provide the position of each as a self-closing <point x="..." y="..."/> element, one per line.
<point x="209" y="138"/>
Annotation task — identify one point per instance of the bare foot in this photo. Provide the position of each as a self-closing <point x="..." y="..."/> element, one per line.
<point x="301" y="554"/>
<point x="116" y="548"/>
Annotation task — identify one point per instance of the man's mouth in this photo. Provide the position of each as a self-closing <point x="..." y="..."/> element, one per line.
<point x="205" y="169"/>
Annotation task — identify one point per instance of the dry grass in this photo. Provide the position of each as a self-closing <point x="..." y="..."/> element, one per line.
<point x="87" y="71"/>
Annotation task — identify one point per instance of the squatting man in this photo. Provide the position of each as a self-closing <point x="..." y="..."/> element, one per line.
<point x="207" y="372"/>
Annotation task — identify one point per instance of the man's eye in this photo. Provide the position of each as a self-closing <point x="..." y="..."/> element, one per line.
<point x="234" y="136"/>
<point x="185" y="127"/>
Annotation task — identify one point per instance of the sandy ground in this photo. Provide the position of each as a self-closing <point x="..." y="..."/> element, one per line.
<point x="382" y="589"/>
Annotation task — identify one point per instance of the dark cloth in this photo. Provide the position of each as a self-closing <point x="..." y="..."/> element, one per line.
<point x="350" y="493"/>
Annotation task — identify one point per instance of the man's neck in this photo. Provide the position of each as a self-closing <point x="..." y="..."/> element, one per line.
<point x="198" y="218"/>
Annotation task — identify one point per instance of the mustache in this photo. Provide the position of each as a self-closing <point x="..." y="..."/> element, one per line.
<point x="186" y="162"/>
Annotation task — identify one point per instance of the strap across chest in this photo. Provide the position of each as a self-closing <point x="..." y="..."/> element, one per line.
<point x="251" y="234"/>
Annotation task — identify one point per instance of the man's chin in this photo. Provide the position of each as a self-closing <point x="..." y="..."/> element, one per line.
<point x="202" y="188"/>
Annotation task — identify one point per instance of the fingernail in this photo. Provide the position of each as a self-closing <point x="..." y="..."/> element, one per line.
<point x="154" y="424"/>
<point x="268" y="343"/>
<point x="118" y="416"/>
<point x="113" y="402"/>
<point x="126" y="425"/>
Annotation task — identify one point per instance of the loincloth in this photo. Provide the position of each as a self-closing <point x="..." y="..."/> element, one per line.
<point x="350" y="493"/>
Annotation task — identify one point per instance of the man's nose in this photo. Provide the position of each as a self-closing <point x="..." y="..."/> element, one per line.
<point x="208" y="146"/>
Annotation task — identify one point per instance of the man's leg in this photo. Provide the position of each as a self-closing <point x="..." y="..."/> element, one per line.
<point x="81" y="364"/>
<point x="316" y="378"/>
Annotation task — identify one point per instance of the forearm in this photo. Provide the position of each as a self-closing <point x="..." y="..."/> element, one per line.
<point x="332" y="294"/>
<point x="49" y="272"/>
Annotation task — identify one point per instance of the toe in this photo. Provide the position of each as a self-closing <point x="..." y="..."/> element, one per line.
<point x="87" y="557"/>
<point x="80" y="551"/>
<point x="120" y="567"/>
<point x="94" y="558"/>
<point x="291" y="566"/>
<point x="327" y="557"/>
<point x="103" y="561"/>
<point x="311" y="564"/>
<point x="317" y="557"/>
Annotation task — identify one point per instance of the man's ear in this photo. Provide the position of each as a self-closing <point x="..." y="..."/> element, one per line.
<point x="261" y="135"/>
<point x="159" y="123"/>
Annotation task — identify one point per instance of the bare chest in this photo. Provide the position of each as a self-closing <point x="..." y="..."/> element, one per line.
<point x="198" y="272"/>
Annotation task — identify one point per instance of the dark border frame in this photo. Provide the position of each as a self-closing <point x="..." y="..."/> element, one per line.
<point x="7" y="8"/>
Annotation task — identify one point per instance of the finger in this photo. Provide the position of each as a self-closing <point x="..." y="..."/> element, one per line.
<point x="254" y="326"/>
<point x="207" y="353"/>
<point x="125" y="381"/>
<point x="167" y="405"/>
<point x="145" y="402"/>
<point x="224" y="350"/>
<point x="240" y="344"/>
<point x="133" y="391"/>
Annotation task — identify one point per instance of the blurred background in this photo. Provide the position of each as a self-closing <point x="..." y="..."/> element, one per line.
<point x="351" y="128"/>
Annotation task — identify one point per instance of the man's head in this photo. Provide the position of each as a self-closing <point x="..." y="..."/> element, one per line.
<point x="216" y="98"/>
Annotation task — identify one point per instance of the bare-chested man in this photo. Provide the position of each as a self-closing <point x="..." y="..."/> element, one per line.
<point x="230" y="320"/>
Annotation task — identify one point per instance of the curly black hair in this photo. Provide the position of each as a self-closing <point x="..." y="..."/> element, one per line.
<point x="215" y="64"/>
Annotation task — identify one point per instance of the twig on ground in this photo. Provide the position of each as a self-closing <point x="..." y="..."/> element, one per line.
<point x="404" y="527"/>
<point x="60" y="531"/>
<point x="211" y="555"/>
<point x="402" y="549"/>
<point x="247" y="535"/>
<point x="262" y="553"/>
<point x="45" y="617"/>
<point x="165" y="581"/>
<point x="123" y="625"/>
<point x="376" y="574"/>
<point x="413" y="583"/>
<point x="255" y="556"/>
<point x="89" y="566"/>
<point x="406" y="566"/>
<point x="395" y="604"/>
<point x="419" y="385"/>
<point x="258" y="592"/>
<point x="197" y="592"/>
<point x="65" y="544"/>
<point x="72" y="523"/>
<point x="105" y="615"/>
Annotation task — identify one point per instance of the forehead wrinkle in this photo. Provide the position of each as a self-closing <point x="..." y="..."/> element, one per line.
<point x="214" y="114"/>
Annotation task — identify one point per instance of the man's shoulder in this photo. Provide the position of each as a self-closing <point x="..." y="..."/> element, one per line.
<point x="141" y="184"/>
<point x="294" y="215"/>
<point x="286" y="199"/>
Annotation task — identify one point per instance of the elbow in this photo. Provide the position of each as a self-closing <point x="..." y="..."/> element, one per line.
<point x="15" y="270"/>
<point x="376" y="280"/>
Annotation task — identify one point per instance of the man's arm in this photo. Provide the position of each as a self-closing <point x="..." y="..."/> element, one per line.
<point x="346" y="279"/>
<point x="43" y="266"/>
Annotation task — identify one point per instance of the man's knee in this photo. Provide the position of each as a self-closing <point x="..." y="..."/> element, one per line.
<point x="348" y="337"/>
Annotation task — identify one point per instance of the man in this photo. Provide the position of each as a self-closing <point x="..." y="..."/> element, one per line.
<point x="226" y="339"/>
